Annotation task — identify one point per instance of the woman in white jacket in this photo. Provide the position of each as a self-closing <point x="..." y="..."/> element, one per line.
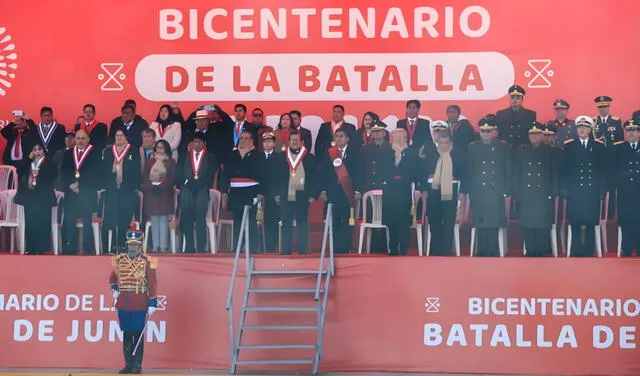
<point x="168" y="129"/>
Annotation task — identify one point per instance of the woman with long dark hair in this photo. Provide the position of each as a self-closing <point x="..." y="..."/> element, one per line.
<point x="157" y="185"/>
<point x="285" y="125"/>
<point x="37" y="176"/>
<point x="168" y="128"/>
<point x="364" y="135"/>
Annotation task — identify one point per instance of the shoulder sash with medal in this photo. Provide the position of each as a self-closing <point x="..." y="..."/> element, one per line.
<point x="89" y="127"/>
<point x="46" y="137"/>
<point x="294" y="164"/>
<point x="196" y="162"/>
<point x="118" y="158"/>
<point x="78" y="161"/>
<point x="162" y="131"/>
<point x="35" y="170"/>
<point x="344" y="180"/>
<point x="334" y="128"/>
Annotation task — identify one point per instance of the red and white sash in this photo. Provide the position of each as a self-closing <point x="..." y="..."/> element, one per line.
<point x="118" y="158"/>
<point x="78" y="160"/>
<point x="196" y="162"/>
<point x="295" y="163"/>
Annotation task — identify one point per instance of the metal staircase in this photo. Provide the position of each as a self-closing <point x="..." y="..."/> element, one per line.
<point x="315" y="299"/>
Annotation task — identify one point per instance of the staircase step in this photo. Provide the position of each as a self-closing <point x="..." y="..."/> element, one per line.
<point x="284" y="291"/>
<point x="278" y="361"/>
<point x="257" y="347"/>
<point x="280" y="327"/>
<point x="287" y="272"/>
<point x="280" y="309"/>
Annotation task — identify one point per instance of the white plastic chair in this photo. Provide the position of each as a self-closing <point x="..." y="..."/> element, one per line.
<point x="604" y="220"/>
<point x="598" y="240"/>
<point x="56" y="227"/>
<point x="375" y="196"/>
<point x="7" y="172"/>
<point x="13" y="218"/>
<point x="147" y="226"/>
<point x="460" y="218"/>
<point x="502" y="233"/>
<point x="213" y="216"/>
<point x="553" y="232"/>
<point x="419" y="218"/>
<point x="619" y="241"/>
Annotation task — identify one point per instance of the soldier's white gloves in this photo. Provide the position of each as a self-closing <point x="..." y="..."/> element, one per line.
<point x="151" y="310"/>
<point x="116" y="294"/>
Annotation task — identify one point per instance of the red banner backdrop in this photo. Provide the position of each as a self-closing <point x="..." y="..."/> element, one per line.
<point x="309" y="55"/>
<point x="542" y="316"/>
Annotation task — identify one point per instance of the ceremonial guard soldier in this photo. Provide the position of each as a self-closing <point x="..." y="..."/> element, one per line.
<point x="296" y="190"/>
<point x="417" y="129"/>
<point x="241" y="183"/>
<point x="445" y="168"/>
<point x="535" y="188"/>
<point x="271" y="210"/>
<point x="339" y="175"/>
<point x="97" y="131"/>
<point x="564" y="128"/>
<point x="489" y="183"/>
<point x="607" y="128"/>
<point x="51" y="133"/>
<point x="326" y="134"/>
<point x="514" y="122"/>
<point x="198" y="173"/>
<point x="377" y="164"/>
<point x="133" y="283"/>
<point x="583" y="184"/>
<point x="627" y="178"/>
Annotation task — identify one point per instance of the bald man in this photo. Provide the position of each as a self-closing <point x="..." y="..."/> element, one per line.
<point x="80" y="174"/>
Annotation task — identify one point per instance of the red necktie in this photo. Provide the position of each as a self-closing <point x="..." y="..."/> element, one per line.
<point x="238" y="126"/>
<point x="17" y="144"/>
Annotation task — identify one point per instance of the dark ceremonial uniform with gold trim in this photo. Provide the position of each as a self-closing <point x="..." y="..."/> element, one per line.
<point x="627" y="182"/>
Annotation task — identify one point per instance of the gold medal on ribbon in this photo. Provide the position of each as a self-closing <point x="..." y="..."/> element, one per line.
<point x="196" y="177"/>
<point x="333" y="143"/>
<point x="34" y="182"/>
<point x="283" y="148"/>
<point x="77" y="175"/>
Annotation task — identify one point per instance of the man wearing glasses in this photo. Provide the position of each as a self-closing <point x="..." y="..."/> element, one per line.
<point x="257" y="118"/>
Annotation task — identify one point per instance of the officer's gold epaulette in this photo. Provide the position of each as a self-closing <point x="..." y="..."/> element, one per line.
<point x="569" y="140"/>
<point x="598" y="140"/>
<point x="153" y="262"/>
<point x="115" y="259"/>
<point x="618" y="142"/>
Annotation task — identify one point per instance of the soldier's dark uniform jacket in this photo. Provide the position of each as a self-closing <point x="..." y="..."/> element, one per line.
<point x="610" y="130"/>
<point x="564" y="130"/>
<point x="378" y="163"/>
<point x="536" y="185"/>
<point x="627" y="181"/>
<point x="514" y="125"/>
<point x="489" y="175"/>
<point x="584" y="179"/>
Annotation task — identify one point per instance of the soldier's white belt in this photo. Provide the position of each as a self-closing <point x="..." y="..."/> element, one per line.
<point x="455" y="181"/>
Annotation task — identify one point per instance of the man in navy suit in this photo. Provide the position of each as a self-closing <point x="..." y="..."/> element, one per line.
<point x="326" y="133"/>
<point x="418" y="129"/>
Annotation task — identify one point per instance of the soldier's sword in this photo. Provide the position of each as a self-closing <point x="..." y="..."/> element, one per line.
<point x="144" y="329"/>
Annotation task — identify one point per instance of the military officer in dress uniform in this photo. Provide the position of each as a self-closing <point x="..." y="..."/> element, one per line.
<point x="607" y="128"/>
<point x="583" y="184"/>
<point x="514" y="122"/>
<point x="271" y="211"/>
<point x="133" y="283"/>
<point x="535" y="187"/>
<point x="489" y="175"/>
<point x="563" y="127"/>
<point x="378" y="162"/>
<point x="627" y="179"/>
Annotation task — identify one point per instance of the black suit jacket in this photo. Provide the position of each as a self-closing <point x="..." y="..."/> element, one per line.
<point x="131" y="174"/>
<point x="310" y="173"/>
<point x="56" y="140"/>
<point x="89" y="181"/>
<point x="98" y="135"/>
<point x="422" y="134"/>
<point x="134" y="134"/>
<point x="27" y="141"/>
<point x="325" y="137"/>
<point x="205" y="176"/>
<point x="329" y="178"/>
<point x="463" y="134"/>
<point x="305" y="136"/>
<point x="42" y="195"/>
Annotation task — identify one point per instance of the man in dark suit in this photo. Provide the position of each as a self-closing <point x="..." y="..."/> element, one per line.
<point x="198" y="172"/>
<point x="627" y="181"/>
<point x="242" y="125"/>
<point x="58" y="158"/>
<point x="147" y="147"/>
<point x="296" y="190"/>
<point x="20" y="139"/>
<point x="271" y="209"/>
<point x="97" y="131"/>
<point x="305" y="134"/>
<point x="81" y="176"/>
<point x="130" y="123"/>
<point x="49" y="132"/>
<point x="325" y="138"/>
<point x="514" y="122"/>
<point x="339" y="172"/>
<point x="607" y="128"/>
<point x="461" y="130"/>
<point x="584" y="182"/>
<point x="418" y="129"/>
<point x="257" y="119"/>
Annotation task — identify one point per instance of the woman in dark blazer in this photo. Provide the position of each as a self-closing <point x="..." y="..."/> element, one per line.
<point x="37" y="176"/>
<point x="157" y="186"/>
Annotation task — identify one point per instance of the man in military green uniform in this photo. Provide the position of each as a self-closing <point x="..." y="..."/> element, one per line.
<point x="535" y="188"/>
<point x="627" y="181"/>
<point x="607" y="128"/>
<point x="563" y="127"/>
<point x="514" y="122"/>
<point x="489" y="177"/>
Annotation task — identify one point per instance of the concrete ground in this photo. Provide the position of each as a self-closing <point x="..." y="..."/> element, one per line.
<point x="100" y="372"/>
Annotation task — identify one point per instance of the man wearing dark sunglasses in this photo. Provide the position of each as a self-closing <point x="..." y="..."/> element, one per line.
<point x="257" y="119"/>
